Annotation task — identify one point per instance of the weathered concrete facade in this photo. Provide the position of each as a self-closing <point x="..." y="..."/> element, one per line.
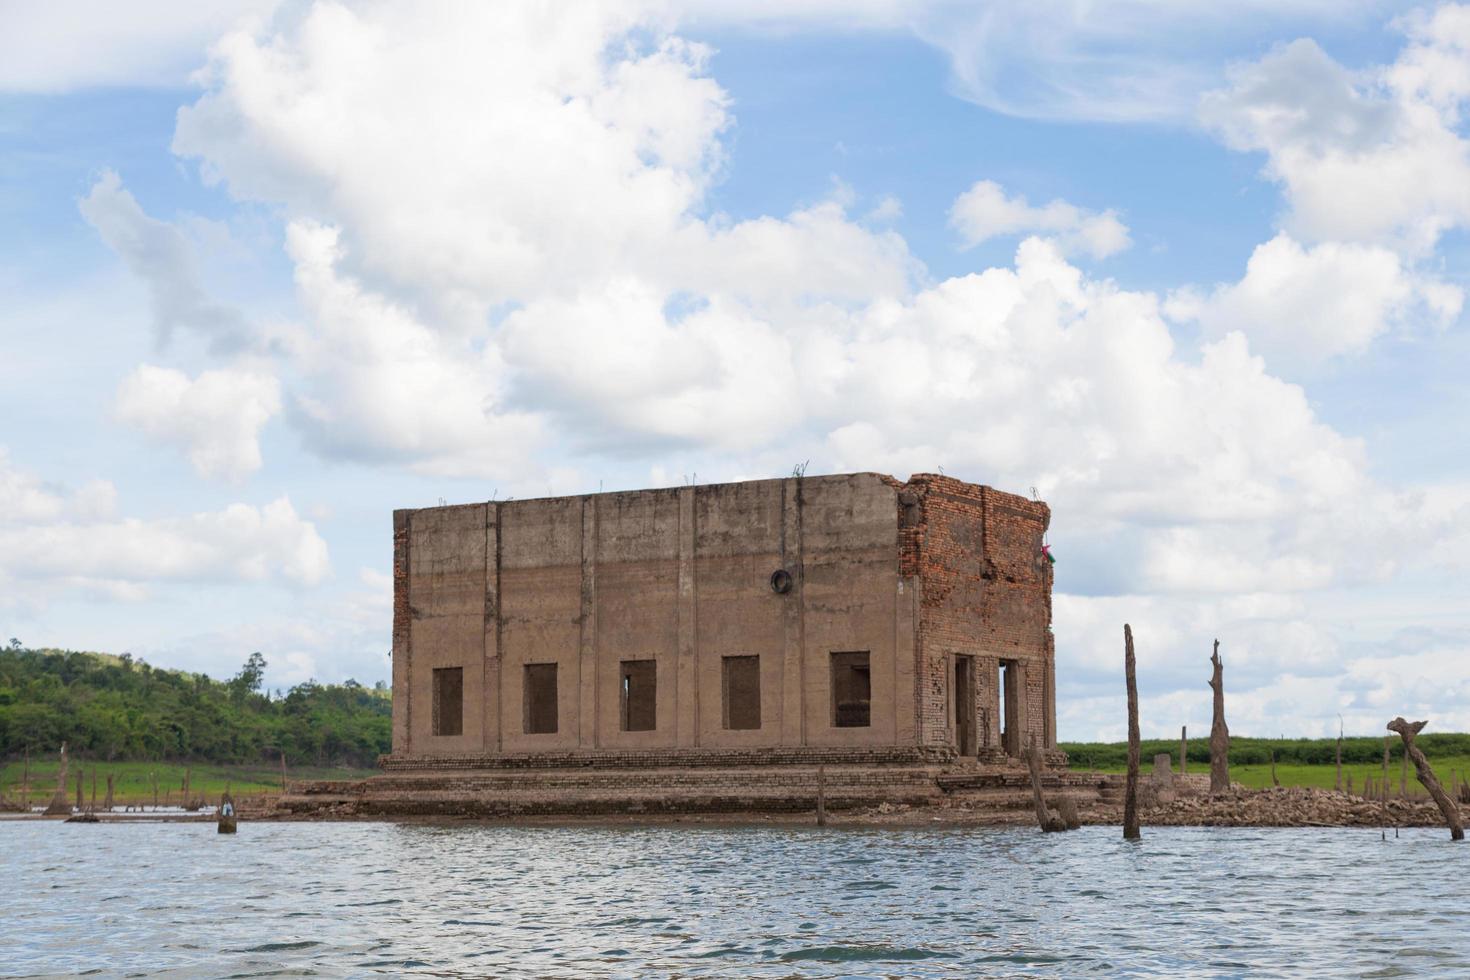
<point x="912" y="621"/>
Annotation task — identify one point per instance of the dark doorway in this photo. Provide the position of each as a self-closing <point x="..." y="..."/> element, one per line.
<point x="540" y="699"/>
<point x="964" y="705"/>
<point x="852" y="690"/>
<point x="448" y="713"/>
<point x="640" y="695"/>
<point x="742" y="684"/>
<point x="1010" y="704"/>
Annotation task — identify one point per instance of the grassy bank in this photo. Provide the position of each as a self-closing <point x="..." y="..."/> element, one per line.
<point x="133" y="781"/>
<point x="1299" y="762"/>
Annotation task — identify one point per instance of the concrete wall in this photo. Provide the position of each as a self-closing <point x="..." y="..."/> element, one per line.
<point x="680" y="576"/>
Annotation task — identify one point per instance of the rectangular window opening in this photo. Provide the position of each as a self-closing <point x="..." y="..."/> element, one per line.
<point x="540" y="699"/>
<point x="448" y="701"/>
<point x="852" y="690"/>
<point x="741" y="681"/>
<point x="640" y="695"/>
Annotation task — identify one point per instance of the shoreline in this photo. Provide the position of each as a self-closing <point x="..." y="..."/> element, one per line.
<point x="1278" y="807"/>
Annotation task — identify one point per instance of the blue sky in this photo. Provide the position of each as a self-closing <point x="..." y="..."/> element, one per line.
<point x="1195" y="272"/>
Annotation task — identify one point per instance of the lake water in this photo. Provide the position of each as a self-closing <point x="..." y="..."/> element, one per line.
<point x="364" y="899"/>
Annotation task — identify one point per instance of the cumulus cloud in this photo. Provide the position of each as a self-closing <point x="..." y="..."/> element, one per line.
<point x="161" y="256"/>
<point x="985" y="211"/>
<point x="1369" y="156"/>
<point x="1302" y="304"/>
<point x="215" y="419"/>
<point x="53" y="539"/>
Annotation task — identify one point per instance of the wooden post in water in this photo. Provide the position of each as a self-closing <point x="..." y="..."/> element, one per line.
<point x="1219" y="731"/>
<point x="1407" y="731"/>
<point x="1130" y="792"/>
<point x="1183" y="749"/>
<point x="821" y="796"/>
<point x="1048" y="821"/>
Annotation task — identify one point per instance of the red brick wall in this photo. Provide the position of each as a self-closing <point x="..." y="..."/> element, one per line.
<point x="986" y="593"/>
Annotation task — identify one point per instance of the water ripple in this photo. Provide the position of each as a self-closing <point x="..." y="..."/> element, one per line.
<point x="353" y="899"/>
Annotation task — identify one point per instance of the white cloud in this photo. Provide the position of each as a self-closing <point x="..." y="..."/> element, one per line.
<point x="215" y="418"/>
<point x="160" y="255"/>
<point x="985" y="211"/>
<point x="1362" y="156"/>
<point x="52" y="540"/>
<point x="1304" y="304"/>
<point x="59" y="47"/>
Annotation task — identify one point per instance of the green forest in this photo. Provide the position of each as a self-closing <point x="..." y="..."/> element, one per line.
<point x="118" y="708"/>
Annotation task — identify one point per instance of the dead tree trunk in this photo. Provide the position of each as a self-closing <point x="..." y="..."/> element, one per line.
<point x="1219" y="731"/>
<point x="1183" y="749"/>
<point x="58" y="804"/>
<point x="1130" y="794"/>
<point x="1407" y="731"/>
<point x="1047" y="820"/>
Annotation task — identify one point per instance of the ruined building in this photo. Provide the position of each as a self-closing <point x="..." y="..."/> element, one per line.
<point x="849" y="619"/>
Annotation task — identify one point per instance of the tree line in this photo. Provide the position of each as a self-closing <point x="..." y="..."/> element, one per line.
<point x="118" y="708"/>
<point x="1257" y="751"/>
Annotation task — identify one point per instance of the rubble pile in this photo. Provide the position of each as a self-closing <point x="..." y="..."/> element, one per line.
<point x="1294" y="806"/>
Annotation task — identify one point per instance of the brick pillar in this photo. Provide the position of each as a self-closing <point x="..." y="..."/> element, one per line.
<point x="402" y="633"/>
<point x="490" y="688"/>
<point x="686" y="665"/>
<point x="793" y="677"/>
<point x="587" y="644"/>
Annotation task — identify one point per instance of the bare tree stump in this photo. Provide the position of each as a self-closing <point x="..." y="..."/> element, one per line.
<point x="1407" y="731"/>
<point x="1219" y="731"/>
<point x="1049" y="821"/>
<point x="1130" y="793"/>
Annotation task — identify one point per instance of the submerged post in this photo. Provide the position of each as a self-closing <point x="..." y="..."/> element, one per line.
<point x="1048" y="821"/>
<point x="1407" y="731"/>
<point x="1130" y="793"/>
<point x="1219" y="731"/>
